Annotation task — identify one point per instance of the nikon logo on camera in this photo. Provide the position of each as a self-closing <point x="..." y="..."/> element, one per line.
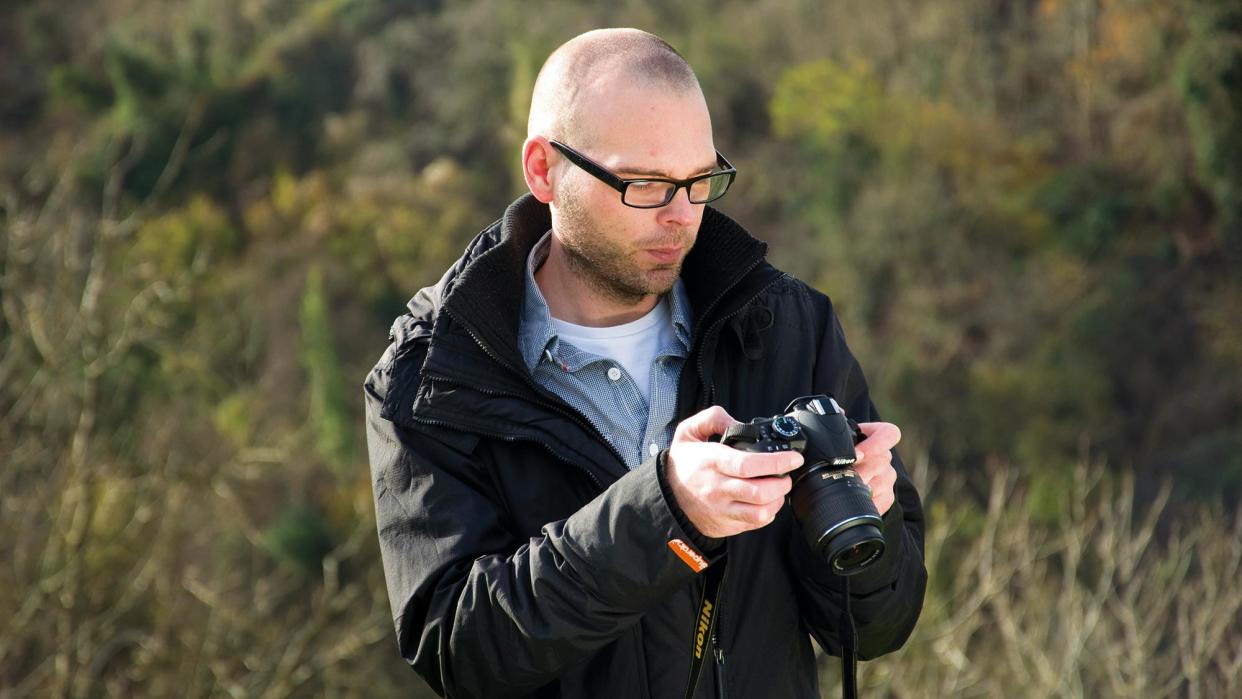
<point x="705" y="623"/>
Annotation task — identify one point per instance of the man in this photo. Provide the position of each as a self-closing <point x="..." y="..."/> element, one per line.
<point x="549" y="500"/>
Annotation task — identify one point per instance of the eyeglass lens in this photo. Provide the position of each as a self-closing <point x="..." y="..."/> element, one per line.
<point x="654" y="193"/>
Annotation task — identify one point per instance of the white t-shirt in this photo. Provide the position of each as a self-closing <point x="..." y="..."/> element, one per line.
<point x="633" y="345"/>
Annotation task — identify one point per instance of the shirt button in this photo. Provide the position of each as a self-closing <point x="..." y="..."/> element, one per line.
<point x="614" y="374"/>
<point x="653" y="449"/>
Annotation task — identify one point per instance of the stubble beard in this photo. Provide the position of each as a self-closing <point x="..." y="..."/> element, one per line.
<point x="605" y="266"/>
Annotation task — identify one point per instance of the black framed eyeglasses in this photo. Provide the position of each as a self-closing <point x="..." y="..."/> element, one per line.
<point x="654" y="192"/>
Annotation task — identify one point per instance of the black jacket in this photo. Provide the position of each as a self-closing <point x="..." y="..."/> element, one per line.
<point x="523" y="559"/>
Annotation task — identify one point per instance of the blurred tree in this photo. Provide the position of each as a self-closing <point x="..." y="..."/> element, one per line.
<point x="1209" y="74"/>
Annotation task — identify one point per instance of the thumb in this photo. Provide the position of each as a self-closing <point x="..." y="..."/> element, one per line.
<point x="702" y="425"/>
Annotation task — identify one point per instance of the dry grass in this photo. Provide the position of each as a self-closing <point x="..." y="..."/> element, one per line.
<point x="1096" y="599"/>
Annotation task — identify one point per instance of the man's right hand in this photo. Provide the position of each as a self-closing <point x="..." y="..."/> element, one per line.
<point x="724" y="491"/>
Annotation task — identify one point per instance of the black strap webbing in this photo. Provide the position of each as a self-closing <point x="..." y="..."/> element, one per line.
<point x="849" y="654"/>
<point x="704" y="625"/>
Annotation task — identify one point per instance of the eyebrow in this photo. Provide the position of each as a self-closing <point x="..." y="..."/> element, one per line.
<point x="641" y="172"/>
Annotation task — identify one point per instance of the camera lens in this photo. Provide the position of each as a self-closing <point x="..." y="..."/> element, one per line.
<point x="838" y="519"/>
<point x="855" y="549"/>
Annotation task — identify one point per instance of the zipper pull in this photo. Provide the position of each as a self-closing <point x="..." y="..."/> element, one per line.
<point x="718" y="654"/>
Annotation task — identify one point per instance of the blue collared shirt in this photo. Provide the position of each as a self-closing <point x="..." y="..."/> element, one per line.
<point x="636" y="429"/>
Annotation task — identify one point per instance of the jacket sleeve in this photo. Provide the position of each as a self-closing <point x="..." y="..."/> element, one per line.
<point x="886" y="598"/>
<point x="482" y="613"/>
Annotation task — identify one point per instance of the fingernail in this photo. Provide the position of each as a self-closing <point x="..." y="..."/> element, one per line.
<point x="858" y="455"/>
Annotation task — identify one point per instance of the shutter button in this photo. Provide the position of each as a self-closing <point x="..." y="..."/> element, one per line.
<point x="614" y="373"/>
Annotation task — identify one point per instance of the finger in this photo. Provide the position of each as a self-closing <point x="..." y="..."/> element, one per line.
<point x="874" y="466"/>
<point x="753" y="516"/>
<point x="876" y="472"/>
<point x="757" y="491"/>
<point x="881" y="437"/>
<point x="703" y="424"/>
<point x="742" y="464"/>
<point x="881" y="488"/>
<point x="883" y="500"/>
<point x="885" y="481"/>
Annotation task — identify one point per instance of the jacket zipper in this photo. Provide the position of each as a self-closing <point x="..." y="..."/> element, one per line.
<point x="720" y="666"/>
<point x="707" y="396"/>
<point x="718" y="654"/>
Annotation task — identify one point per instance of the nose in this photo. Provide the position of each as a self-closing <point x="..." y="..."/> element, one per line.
<point x="679" y="211"/>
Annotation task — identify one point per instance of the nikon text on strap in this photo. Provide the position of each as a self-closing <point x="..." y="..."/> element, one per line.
<point x="704" y="625"/>
<point x="701" y="640"/>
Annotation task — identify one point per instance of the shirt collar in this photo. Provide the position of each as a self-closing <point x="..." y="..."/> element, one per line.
<point x="535" y="331"/>
<point x="537" y="336"/>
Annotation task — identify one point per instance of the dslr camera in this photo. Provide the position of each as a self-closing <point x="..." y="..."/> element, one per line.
<point x="829" y="499"/>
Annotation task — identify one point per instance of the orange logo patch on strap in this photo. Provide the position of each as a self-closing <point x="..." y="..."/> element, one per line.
<point x="688" y="555"/>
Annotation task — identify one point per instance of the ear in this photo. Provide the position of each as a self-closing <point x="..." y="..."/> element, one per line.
<point x="537" y="167"/>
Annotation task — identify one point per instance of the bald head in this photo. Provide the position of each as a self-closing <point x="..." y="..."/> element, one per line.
<point x="588" y="67"/>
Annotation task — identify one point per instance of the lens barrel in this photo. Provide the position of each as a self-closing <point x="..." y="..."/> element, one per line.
<point x="838" y="518"/>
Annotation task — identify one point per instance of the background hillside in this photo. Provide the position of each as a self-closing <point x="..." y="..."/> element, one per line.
<point x="1029" y="215"/>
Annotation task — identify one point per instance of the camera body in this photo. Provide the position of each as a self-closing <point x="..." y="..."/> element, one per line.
<point x="829" y="500"/>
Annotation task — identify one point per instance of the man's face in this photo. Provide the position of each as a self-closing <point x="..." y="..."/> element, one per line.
<point x="622" y="252"/>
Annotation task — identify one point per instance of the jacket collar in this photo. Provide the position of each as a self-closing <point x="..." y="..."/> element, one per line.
<point x="487" y="294"/>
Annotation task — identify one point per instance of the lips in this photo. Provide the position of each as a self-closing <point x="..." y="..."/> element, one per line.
<point x="664" y="255"/>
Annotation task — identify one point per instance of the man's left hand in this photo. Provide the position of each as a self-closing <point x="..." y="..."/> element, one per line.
<point x="875" y="461"/>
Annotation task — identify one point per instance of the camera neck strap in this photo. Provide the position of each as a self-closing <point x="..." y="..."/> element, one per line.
<point x="703" y="640"/>
<point x="849" y="648"/>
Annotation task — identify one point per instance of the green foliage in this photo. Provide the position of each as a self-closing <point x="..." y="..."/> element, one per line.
<point x="234" y="418"/>
<point x="834" y="111"/>
<point x="190" y="238"/>
<point x="139" y="78"/>
<point x="299" y="537"/>
<point x="1217" y="456"/>
<point x="827" y="103"/>
<point x="1209" y="76"/>
<point x="329" y="419"/>
<point x="1091" y="210"/>
<point x="81" y="87"/>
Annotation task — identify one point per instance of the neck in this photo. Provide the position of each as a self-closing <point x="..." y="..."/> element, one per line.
<point x="573" y="298"/>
